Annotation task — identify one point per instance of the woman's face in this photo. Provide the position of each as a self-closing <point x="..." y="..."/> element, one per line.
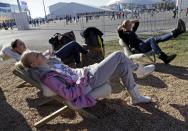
<point x="37" y="59"/>
<point x="20" y="46"/>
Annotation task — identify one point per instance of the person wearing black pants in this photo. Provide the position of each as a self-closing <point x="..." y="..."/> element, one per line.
<point x="71" y="49"/>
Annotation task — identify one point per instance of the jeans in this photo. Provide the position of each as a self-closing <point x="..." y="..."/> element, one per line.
<point x="71" y="49"/>
<point x="152" y="43"/>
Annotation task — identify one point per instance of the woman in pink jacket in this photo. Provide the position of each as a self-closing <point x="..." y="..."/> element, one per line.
<point x="81" y="87"/>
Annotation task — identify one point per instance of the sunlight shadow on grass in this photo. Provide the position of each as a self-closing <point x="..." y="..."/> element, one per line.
<point x="152" y="81"/>
<point x="177" y="71"/>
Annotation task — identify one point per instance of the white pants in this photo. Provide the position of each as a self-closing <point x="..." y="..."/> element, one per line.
<point x="115" y="65"/>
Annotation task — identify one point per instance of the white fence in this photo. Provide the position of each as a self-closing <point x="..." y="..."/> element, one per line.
<point x="150" y="22"/>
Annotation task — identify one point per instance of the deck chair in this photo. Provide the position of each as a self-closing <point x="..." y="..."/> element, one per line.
<point x="23" y="74"/>
<point x="137" y="56"/>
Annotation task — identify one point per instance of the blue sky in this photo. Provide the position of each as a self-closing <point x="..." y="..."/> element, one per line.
<point x="36" y="6"/>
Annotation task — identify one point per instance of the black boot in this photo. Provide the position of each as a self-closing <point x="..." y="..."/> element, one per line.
<point x="166" y="58"/>
<point x="180" y="29"/>
<point x="182" y="25"/>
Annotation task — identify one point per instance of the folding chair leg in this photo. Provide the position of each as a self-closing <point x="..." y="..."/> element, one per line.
<point x="50" y="117"/>
<point x="154" y="58"/>
<point x="21" y="84"/>
<point x="46" y="102"/>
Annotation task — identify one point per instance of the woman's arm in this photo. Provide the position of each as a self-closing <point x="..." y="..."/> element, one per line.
<point x="61" y="89"/>
<point x="136" y="24"/>
<point x="120" y="31"/>
<point x="122" y="34"/>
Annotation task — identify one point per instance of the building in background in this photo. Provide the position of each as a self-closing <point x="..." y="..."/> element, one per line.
<point x="133" y="4"/>
<point x="7" y="10"/>
<point x="10" y="16"/>
<point x="73" y="9"/>
<point x="142" y="4"/>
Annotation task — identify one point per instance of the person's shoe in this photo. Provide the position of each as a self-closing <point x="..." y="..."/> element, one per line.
<point x="137" y="98"/>
<point x="182" y="25"/>
<point x="180" y="29"/>
<point x="144" y="71"/>
<point x="167" y="58"/>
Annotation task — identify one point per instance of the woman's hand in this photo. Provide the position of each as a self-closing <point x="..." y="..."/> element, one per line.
<point x="120" y="27"/>
<point x="48" y="52"/>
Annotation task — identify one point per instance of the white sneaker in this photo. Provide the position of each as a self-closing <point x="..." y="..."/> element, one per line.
<point x="141" y="99"/>
<point x="137" y="98"/>
<point x="144" y="71"/>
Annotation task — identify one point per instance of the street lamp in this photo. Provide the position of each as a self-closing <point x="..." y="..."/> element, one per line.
<point x="44" y="10"/>
<point x="19" y="6"/>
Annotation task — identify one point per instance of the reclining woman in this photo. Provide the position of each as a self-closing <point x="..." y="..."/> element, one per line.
<point x="14" y="51"/>
<point x="81" y="87"/>
<point x="18" y="47"/>
<point x="127" y="33"/>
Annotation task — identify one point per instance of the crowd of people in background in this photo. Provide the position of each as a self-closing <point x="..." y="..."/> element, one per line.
<point x="7" y="24"/>
<point x="87" y="16"/>
<point x="37" y="22"/>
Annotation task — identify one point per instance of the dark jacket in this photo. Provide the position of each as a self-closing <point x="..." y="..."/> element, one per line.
<point x="130" y="37"/>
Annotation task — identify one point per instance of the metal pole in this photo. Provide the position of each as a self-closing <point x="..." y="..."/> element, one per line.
<point x="44" y="10"/>
<point x="19" y="7"/>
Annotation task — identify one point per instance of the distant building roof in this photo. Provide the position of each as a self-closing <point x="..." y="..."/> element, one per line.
<point x="138" y="2"/>
<point x="62" y="9"/>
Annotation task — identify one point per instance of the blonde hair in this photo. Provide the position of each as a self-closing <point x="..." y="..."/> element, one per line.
<point x="26" y="58"/>
<point x="124" y="23"/>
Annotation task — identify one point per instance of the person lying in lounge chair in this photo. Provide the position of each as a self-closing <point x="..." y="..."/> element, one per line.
<point x="127" y="32"/>
<point x="18" y="47"/>
<point x="82" y="87"/>
<point x="14" y="51"/>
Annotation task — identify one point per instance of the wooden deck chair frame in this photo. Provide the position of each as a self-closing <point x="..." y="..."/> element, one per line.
<point x="22" y="73"/>
<point x="139" y="55"/>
